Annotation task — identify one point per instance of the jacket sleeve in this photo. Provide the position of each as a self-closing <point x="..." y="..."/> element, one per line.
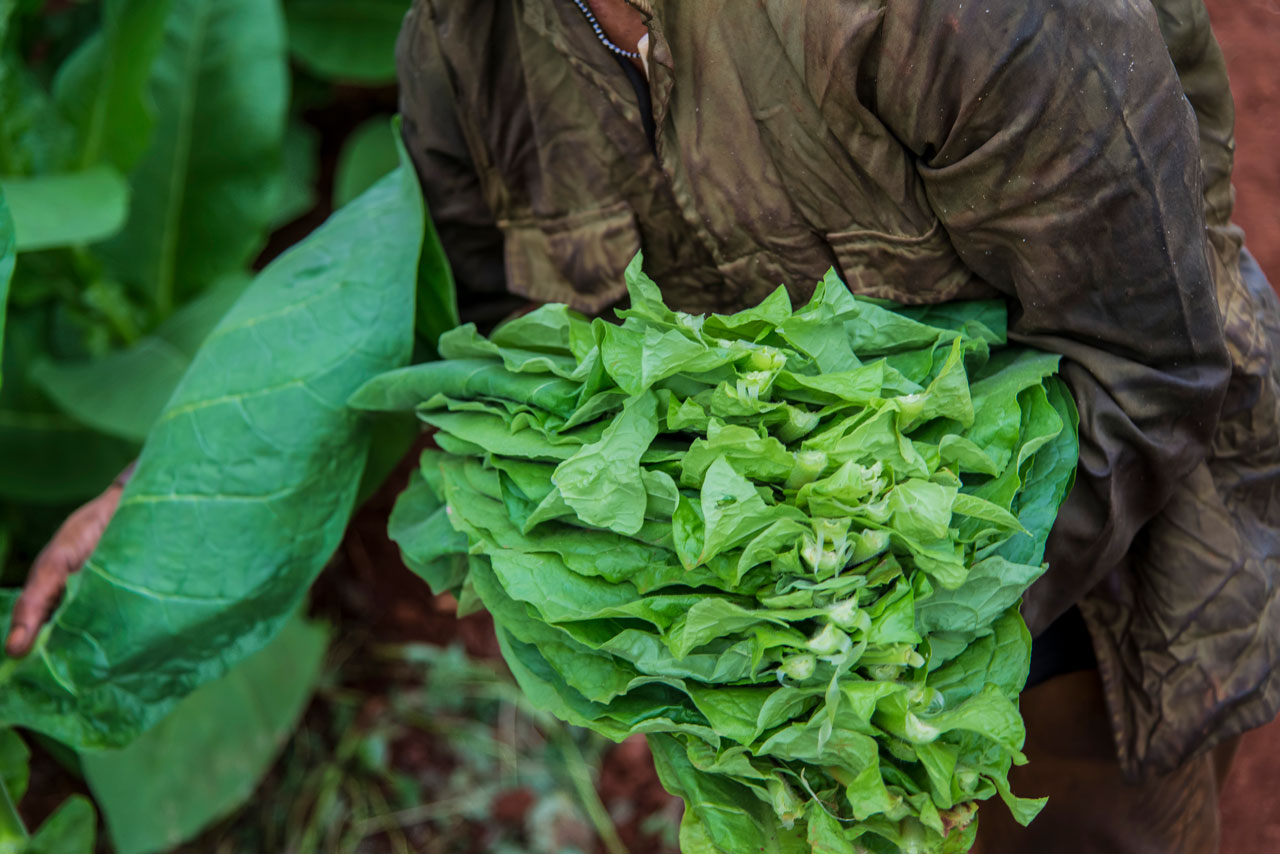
<point x="434" y="137"/>
<point x="1055" y="144"/>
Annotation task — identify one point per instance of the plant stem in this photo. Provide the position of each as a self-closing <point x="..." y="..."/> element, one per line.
<point x="581" y="776"/>
<point x="13" y="833"/>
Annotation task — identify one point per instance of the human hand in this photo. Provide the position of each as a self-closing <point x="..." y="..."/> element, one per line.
<point x="70" y="547"/>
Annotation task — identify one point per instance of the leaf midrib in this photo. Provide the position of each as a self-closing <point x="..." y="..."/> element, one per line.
<point x="96" y="130"/>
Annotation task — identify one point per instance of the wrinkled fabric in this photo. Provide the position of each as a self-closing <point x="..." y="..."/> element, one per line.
<point x="1072" y="158"/>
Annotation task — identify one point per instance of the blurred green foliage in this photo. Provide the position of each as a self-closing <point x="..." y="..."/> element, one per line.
<point x="153" y="154"/>
<point x="149" y="149"/>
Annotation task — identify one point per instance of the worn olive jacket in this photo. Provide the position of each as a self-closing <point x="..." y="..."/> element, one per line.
<point x="1070" y="156"/>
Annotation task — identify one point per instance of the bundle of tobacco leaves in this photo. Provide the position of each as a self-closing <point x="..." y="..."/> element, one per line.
<point x="786" y="545"/>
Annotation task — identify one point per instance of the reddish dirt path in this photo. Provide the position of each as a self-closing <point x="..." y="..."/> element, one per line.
<point x="1249" y="31"/>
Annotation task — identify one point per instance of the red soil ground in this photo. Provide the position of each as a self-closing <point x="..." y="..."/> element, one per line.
<point x="1249" y="32"/>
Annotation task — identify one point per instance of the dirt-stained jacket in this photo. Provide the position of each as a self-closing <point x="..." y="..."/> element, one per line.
<point x="1070" y="156"/>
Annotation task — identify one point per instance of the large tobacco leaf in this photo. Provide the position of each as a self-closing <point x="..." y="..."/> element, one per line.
<point x="102" y="88"/>
<point x="71" y="829"/>
<point x="206" y="188"/>
<point x="230" y="729"/>
<point x="786" y="544"/>
<point x="35" y="138"/>
<point x="89" y="390"/>
<point x="68" y="209"/>
<point x="242" y="490"/>
<point x="351" y="40"/>
<point x="299" y="174"/>
<point x="14" y="773"/>
<point x="368" y="153"/>
<point x="48" y="458"/>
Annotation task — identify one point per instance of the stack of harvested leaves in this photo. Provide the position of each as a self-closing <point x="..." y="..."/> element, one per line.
<point x="788" y="546"/>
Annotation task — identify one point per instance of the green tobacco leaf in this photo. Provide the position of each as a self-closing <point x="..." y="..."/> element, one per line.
<point x="150" y="370"/>
<point x="67" y="210"/>
<point x="602" y="481"/>
<point x="753" y="322"/>
<point x="720" y="815"/>
<point x="391" y="437"/>
<point x="14" y="771"/>
<point x="1023" y="810"/>
<point x="997" y="415"/>
<point x="464" y="342"/>
<point x="35" y="138"/>
<point x="548" y="691"/>
<point x="816" y="329"/>
<point x="437" y="308"/>
<point x="13" y="833"/>
<point x="48" y="458"/>
<point x="819" y="626"/>
<point x="230" y="729"/>
<point x="985" y="319"/>
<point x="346" y="39"/>
<point x="596" y="676"/>
<point x="403" y="390"/>
<point x="991" y="587"/>
<point x="419" y="525"/>
<point x="437" y="300"/>
<point x="547" y="329"/>
<point x="72" y="829"/>
<point x="243" y="489"/>
<point x="764" y="458"/>
<point x="732" y="509"/>
<point x="368" y="154"/>
<point x="206" y="189"/>
<point x="298" y="177"/>
<point x="1049" y="481"/>
<point x="102" y="87"/>
<point x="1001" y="658"/>
<point x="8" y="249"/>
<point x="474" y="430"/>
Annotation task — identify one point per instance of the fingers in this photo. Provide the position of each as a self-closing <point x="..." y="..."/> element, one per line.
<point x="65" y="554"/>
<point x="44" y="586"/>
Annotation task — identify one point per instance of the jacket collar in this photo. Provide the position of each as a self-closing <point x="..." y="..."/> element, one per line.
<point x="551" y="18"/>
<point x="562" y="24"/>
